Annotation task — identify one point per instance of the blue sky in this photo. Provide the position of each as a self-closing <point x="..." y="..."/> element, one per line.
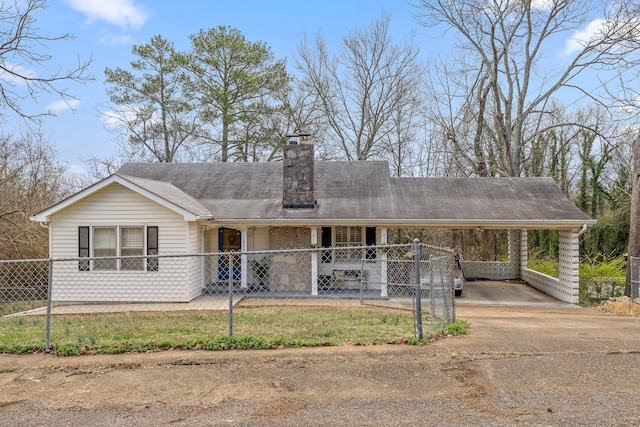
<point x="106" y="30"/>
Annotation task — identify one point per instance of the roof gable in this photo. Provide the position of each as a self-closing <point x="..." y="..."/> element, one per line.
<point x="163" y="193"/>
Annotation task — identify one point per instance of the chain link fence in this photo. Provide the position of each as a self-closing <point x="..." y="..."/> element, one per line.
<point x="23" y="285"/>
<point x="78" y="299"/>
<point x="635" y="279"/>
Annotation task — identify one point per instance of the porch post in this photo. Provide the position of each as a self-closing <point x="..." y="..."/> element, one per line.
<point x="314" y="261"/>
<point x="383" y="264"/>
<point x="243" y="258"/>
<point x="569" y="277"/>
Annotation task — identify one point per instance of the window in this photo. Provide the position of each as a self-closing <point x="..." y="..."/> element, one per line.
<point x="131" y="244"/>
<point x="104" y="245"/>
<point x="116" y="241"/>
<point x="346" y="237"/>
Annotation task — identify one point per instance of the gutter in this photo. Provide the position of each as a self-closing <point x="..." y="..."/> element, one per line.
<point x="413" y="223"/>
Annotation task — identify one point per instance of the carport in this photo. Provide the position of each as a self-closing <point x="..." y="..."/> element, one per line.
<point x="513" y="204"/>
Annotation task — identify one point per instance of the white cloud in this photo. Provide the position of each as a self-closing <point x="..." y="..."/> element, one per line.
<point x="582" y="37"/>
<point x="119" y="116"/>
<point x="74" y="169"/>
<point x="114" y="40"/>
<point x="542" y="4"/>
<point x="111" y="118"/>
<point x="10" y="77"/>
<point x="62" y="105"/>
<point x="123" y="13"/>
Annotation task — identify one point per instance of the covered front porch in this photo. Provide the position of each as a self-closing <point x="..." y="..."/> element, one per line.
<point x="321" y="270"/>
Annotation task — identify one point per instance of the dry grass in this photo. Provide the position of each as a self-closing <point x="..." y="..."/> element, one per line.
<point x="622" y="306"/>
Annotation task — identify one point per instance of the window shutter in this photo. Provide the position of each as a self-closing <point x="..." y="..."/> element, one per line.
<point x="83" y="248"/>
<point x="325" y="256"/>
<point x="152" y="248"/>
<point x="370" y="240"/>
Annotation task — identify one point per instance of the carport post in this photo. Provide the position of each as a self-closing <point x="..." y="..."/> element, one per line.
<point x="417" y="293"/>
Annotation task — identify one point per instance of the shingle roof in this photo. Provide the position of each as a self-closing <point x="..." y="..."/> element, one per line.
<point x="360" y="192"/>
<point x="169" y="192"/>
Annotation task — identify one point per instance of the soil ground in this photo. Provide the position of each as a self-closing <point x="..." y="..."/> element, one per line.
<point x="517" y="366"/>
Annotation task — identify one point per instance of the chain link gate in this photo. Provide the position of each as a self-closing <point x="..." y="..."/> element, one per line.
<point x="419" y="278"/>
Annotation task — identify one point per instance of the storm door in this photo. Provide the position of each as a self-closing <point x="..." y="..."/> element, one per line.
<point x="228" y="241"/>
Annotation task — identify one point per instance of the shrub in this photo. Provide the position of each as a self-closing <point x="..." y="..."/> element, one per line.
<point x="601" y="278"/>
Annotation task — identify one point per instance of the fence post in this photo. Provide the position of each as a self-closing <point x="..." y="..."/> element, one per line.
<point x="417" y="293"/>
<point x="230" y="294"/>
<point x="47" y="344"/>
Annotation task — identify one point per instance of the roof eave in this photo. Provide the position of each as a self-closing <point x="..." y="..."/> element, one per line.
<point x="413" y="223"/>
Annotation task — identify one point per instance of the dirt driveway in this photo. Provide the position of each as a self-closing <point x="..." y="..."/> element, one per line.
<point x="518" y="366"/>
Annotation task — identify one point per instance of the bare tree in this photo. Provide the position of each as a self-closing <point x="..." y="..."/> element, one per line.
<point x="364" y="92"/>
<point x="22" y="46"/>
<point x="30" y="180"/>
<point x="504" y="88"/>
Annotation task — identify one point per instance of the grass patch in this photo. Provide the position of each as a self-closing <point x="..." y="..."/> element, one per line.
<point x="253" y="328"/>
<point x="7" y="370"/>
<point x="459" y="327"/>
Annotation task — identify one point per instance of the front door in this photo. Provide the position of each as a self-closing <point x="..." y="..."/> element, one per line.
<point x="228" y="241"/>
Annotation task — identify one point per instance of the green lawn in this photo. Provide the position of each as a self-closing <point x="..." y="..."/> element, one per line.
<point x="253" y="328"/>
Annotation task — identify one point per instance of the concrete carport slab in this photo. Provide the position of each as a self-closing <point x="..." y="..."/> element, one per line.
<point x="506" y="293"/>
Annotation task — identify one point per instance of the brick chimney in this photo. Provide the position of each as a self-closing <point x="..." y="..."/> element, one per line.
<point x="297" y="173"/>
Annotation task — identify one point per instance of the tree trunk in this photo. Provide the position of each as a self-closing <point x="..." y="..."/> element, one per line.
<point x="634" y="227"/>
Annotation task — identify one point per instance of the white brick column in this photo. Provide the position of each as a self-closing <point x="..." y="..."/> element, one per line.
<point x="514" y="251"/>
<point x="569" y="257"/>
<point x="524" y="250"/>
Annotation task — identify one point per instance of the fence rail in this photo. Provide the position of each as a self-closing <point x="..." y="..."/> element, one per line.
<point x="122" y="289"/>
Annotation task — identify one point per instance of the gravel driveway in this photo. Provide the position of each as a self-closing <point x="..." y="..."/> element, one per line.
<point x="524" y="366"/>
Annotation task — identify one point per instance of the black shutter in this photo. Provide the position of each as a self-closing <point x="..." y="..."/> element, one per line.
<point x="83" y="248"/>
<point x="152" y="248"/>
<point x="370" y="240"/>
<point x="325" y="256"/>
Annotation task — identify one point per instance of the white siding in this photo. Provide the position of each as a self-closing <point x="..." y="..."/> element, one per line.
<point x="194" y="278"/>
<point x="211" y="263"/>
<point x="116" y="205"/>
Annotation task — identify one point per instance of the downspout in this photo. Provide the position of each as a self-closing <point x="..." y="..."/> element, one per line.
<point x="582" y="230"/>
<point x="46" y="225"/>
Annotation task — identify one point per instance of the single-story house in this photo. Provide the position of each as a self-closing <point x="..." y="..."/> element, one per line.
<point x="169" y="208"/>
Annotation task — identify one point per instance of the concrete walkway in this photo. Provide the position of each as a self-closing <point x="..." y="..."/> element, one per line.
<point x="480" y="293"/>
<point x="209" y="303"/>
